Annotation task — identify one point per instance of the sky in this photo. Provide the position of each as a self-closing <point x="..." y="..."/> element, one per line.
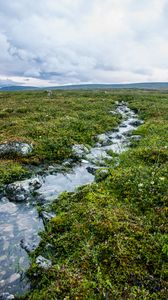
<point x="58" y="42"/>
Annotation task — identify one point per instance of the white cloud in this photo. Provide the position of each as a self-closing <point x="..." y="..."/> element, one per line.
<point x="58" y="42"/>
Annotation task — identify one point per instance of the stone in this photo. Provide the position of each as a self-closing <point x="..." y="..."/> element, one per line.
<point x="35" y="183"/>
<point x="118" y="136"/>
<point x="92" y="170"/>
<point x="17" y="192"/>
<point x="18" y="148"/>
<point x="6" y="296"/>
<point x="43" y="262"/>
<point x="20" y="191"/>
<point x="136" y="122"/>
<point x="103" y="139"/>
<point x="29" y="246"/>
<point x="80" y="150"/>
<point x="123" y="125"/>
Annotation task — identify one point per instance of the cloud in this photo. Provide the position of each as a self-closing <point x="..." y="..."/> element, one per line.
<point x="76" y="41"/>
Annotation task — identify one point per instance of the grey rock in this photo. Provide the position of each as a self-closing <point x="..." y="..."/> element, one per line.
<point x="98" y="145"/>
<point x="22" y="190"/>
<point x="118" y="136"/>
<point x="17" y="192"/>
<point x="103" y="139"/>
<point x="136" y="122"/>
<point x="30" y="246"/>
<point x="43" y="262"/>
<point x="92" y="170"/>
<point x="80" y="150"/>
<point x="6" y="296"/>
<point x="35" y="183"/>
<point x="19" y="148"/>
<point x="123" y="125"/>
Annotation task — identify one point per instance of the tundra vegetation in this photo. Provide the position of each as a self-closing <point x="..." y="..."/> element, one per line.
<point x="109" y="239"/>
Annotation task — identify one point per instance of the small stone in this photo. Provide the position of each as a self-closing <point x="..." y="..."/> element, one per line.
<point x="80" y="150"/>
<point x="91" y="170"/>
<point x="35" y="184"/>
<point x="6" y="296"/>
<point x="28" y="246"/>
<point x="136" y="122"/>
<point x="20" y="198"/>
<point x="43" y="262"/>
<point x="123" y="125"/>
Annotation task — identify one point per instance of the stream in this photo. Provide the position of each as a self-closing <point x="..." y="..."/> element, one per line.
<point x="20" y="221"/>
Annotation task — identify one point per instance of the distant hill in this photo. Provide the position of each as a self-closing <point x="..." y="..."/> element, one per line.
<point x="145" y="85"/>
<point x="18" y="88"/>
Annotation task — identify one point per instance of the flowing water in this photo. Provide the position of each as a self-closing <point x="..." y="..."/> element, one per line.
<point x="20" y="221"/>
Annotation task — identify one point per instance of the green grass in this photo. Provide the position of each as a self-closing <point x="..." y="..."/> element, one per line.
<point x="52" y="124"/>
<point x="109" y="240"/>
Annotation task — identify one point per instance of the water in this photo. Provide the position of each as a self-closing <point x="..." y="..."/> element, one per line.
<point x="21" y="221"/>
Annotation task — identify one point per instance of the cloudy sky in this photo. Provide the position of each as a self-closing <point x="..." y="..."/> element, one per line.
<point x="57" y="42"/>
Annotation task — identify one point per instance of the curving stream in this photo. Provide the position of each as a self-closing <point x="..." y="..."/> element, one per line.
<point x="20" y="221"/>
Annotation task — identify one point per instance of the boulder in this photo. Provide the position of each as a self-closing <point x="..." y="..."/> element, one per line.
<point x="17" y="192"/>
<point x="22" y="190"/>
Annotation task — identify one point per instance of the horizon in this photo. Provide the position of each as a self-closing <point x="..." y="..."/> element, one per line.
<point x="105" y="85"/>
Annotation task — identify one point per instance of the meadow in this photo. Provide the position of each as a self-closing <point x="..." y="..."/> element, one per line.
<point x="109" y="239"/>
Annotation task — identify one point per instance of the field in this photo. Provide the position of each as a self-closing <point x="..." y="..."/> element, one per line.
<point x="109" y="240"/>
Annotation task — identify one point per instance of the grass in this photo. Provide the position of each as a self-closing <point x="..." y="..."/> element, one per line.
<point x="52" y="124"/>
<point x="109" y="240"/>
